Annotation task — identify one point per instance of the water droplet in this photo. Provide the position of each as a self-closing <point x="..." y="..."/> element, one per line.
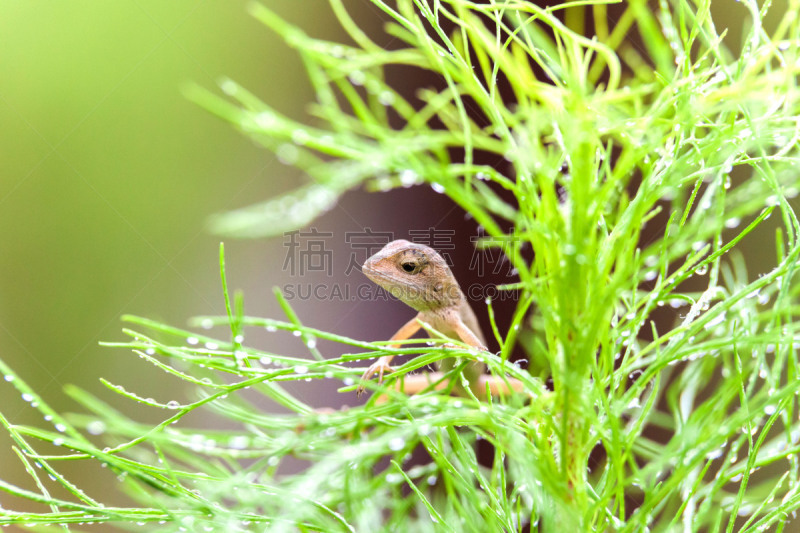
<point x="239" y="442"/>
<point x="393" y="478"/>
<point x="58" y="442"/>
<point x="212" y="345"/>
<point x="8" y="377"/>
<point x="96" y="427"/>
<point x="437" y="187"/>
<point x="287" y="154"/>
<point x="27" y="397"/>
<point x="386" y="98"/>
<point x="733" y="222"/>
<point x="61" y="428"/>
<point x="301" y="369"/>
<point x="265" y="120"/>
<point x="311" y="343"/>
<point x="357" y="77"/>
<point x="297" y="333"/>
<point x="265" y="360"/>
<point x="192" y="340"/>
<point x="238" y="339"/>
<point x="384" y="184"/>
<point x="271" y="328"/>
<point x="408" y="178"/>
<point x="173" y="404"/>
<point x="717" y="320"/>
<point x="300" y="136"/>
<point x="229" y="87"/>
<point x="397" y="444"/>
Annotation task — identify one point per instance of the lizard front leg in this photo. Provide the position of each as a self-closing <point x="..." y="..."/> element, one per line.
<point x="420" y="382"/>
<point x="467" y="335"/>
<point x="381" y="366"/>
<point x="479" y="380"/>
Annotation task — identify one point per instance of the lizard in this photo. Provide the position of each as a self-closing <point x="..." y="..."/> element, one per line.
<point x="421" y="278"/>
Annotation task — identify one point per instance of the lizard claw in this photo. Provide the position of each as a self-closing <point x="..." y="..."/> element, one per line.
<point x="380" y="367"/>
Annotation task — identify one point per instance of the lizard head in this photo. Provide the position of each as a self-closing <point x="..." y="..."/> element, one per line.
<point x="415" y="274"/>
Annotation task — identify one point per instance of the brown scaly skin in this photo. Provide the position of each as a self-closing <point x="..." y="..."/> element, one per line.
<point x="419" y="277"/>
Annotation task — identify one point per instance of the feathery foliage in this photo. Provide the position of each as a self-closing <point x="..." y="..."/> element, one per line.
<point x="656" y="122"/>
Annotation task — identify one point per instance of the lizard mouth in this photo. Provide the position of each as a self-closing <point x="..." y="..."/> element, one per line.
<point x="372" y="273"/>
<point x="380" y="278"/>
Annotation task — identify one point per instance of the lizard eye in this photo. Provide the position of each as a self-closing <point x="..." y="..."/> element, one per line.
<point x="411" y="268"/>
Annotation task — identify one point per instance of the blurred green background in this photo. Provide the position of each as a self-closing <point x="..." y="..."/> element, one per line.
<point x="107" y="173"/>
<point x="108" y="176"/>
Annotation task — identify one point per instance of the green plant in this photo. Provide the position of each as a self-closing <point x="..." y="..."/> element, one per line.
<point x="695" y="424"/>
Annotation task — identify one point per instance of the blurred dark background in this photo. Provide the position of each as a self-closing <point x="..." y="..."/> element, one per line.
<point x="108" y="176"/>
